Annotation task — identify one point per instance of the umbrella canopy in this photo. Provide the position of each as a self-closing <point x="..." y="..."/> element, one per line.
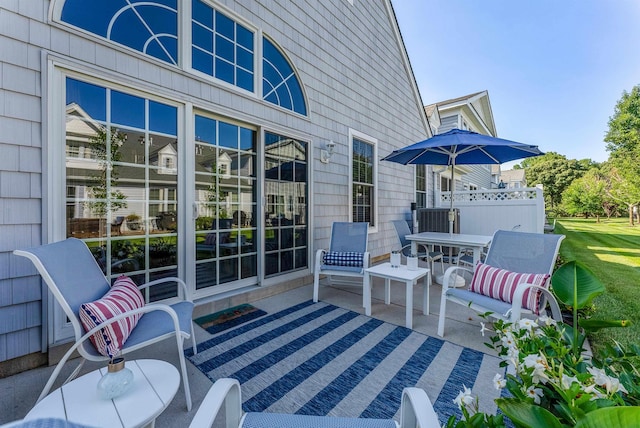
<point x="459" y="147"/>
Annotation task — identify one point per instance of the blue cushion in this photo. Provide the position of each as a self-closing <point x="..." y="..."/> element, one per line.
<point x="261" y="420"/>
<point x="338" y="258"/>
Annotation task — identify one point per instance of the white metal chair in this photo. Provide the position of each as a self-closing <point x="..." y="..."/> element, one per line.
<point x="521" y="252"/>
<point x="74" y="277"/>
<point x="402" y="230"/>
<point x="415" y="410"/>
<point x="347" y="255"/>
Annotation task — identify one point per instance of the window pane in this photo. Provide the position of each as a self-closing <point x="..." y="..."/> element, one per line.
<point x="92" y="99"/>
<point x="163" y="118"/>
<point x="127" y="109"/>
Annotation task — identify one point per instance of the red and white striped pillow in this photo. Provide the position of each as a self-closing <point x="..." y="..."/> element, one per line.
<point x="501" y="284"/>
<point x="123" y="296"/>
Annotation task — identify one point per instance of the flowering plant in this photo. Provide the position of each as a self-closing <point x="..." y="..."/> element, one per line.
<point x="550" y="381"/>
<point x="549" y="386"/>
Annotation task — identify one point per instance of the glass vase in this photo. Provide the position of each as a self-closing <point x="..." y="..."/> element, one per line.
<point x="116" y="381"/>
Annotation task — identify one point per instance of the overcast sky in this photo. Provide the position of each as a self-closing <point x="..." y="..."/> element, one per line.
<point x="554" y="69"/>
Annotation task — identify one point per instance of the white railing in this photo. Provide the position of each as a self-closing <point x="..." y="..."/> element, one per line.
<point x="482" y="212"/>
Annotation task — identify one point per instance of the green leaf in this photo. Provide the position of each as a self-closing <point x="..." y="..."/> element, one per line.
<point x="528" y="415"/>
<point x="611" y="417"/>
<point x="593" y="325"/>
<point x="574" y="284"/>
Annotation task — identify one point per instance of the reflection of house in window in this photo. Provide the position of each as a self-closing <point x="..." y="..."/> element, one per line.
<point x="167" y="157"/>
<point x="224" y="165"/>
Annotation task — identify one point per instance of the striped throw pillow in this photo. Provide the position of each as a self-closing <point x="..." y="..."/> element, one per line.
<point x="501" y="284"/>
<point x="347" y="258"/>
<point x="123" y="296"/>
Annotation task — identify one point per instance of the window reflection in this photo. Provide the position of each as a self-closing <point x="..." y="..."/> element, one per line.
<point x="121" y="179"/>
<point x="225" y="193"/>
<point x="286" y="203"/>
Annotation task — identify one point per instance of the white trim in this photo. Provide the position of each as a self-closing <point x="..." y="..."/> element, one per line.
<point x="374" y="142"/>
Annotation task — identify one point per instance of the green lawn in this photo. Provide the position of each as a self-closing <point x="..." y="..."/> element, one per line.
<point x="611" y="249"/>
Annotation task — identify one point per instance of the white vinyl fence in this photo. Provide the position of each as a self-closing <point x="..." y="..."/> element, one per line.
<point x="482" y="212"/>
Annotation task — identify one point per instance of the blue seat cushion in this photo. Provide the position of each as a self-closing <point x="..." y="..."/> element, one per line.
<point x="490" y="304"/>
<point x="262" y="420"/>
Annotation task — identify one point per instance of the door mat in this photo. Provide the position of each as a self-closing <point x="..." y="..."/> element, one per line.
<point x="228" y="318"/>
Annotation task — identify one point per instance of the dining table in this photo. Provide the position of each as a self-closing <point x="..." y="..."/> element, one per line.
<point x="460" y="240"/>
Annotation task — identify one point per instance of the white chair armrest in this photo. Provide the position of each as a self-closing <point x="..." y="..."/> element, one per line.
<point x="366" y="260"/>
<point x="451" y="271"/>
<point x="416" y="410"/>
<point x="516" y="305"/>
<point x="319" y="255"/>
<point x="224" y="390"/>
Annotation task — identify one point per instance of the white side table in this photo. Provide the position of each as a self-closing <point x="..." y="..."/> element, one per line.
<point x="402" y="274"/>
<point x="155" y="383"/>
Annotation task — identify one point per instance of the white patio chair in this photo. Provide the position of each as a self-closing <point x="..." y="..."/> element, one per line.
<point x="516" y="252"/>
<point x="74" y="277"/>
<point x="402" y="230"/>
<point x="347" y="255"/>
<point x="415" y="410"/>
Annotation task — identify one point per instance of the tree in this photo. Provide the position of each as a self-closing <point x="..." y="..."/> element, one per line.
<point x="587" y="196"/>
<point x="623" y="144"/>
<point x="622" y="186"/>
<point x="555" y="172"/>
<point x="104" y="191"/>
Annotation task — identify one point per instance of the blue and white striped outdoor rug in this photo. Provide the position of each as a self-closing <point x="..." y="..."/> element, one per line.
<point x="319" y="359"/>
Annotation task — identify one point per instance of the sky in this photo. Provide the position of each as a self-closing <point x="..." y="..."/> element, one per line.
<point x="554" y="69"/>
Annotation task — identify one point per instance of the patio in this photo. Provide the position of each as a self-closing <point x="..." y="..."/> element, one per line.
<point x="463" y="329"/>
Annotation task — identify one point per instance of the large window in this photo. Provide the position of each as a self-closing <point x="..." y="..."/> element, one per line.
<point x="286" y="190"/>
<point x="121" y="179"/>
<point x="221" y="47"/>
<point x="363" y="180"/>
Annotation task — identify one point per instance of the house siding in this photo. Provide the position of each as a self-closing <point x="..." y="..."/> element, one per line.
<point x="349" y="62"/>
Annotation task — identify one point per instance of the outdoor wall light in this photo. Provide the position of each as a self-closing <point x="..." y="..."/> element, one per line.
<point x="325" y="154"/>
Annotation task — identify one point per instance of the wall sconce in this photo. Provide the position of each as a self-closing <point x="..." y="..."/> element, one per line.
<point x="325" y="154"/>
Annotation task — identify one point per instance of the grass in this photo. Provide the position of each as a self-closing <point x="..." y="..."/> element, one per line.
<point x="611" y="249"/>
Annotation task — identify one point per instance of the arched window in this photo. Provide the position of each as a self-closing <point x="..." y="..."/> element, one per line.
<point x="150" y="27"/>
<point x="221" y="47"/>
<point x="280" y="85"/>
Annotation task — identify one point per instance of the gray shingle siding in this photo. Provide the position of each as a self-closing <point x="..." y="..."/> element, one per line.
<point x="349" y="63"/>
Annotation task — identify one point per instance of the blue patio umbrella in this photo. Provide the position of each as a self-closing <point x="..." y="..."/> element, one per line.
<point x="459" y="147"/>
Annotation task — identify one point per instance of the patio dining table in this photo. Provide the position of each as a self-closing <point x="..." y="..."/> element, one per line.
<point x="462" y="240"/>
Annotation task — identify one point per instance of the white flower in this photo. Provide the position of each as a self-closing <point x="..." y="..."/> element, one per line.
<point x="534" y="361"/>
<point x="499" y="382"/>
<point x="508" y="340"/>
<point x="483" y="328"/>
<point x="610" y="384"/>
<point x="546" y="320"/>
<point x="568" y="380"/>
<point x="534" y="393"/>
<point x="526" y="324"/>
<point x="464" y="398"/>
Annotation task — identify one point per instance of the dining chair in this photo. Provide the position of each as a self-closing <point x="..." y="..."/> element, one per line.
<point x="402" y="230"/>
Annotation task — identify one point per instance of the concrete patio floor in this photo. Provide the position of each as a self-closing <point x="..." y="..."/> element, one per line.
<point x="19" y="392"/>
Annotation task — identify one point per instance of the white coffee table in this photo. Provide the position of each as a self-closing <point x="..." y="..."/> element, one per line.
<point x="402" y="274"/>
<point x="155" y="383"/>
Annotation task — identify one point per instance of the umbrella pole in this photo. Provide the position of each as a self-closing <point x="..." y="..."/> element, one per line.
<point x="452" y="215"/>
